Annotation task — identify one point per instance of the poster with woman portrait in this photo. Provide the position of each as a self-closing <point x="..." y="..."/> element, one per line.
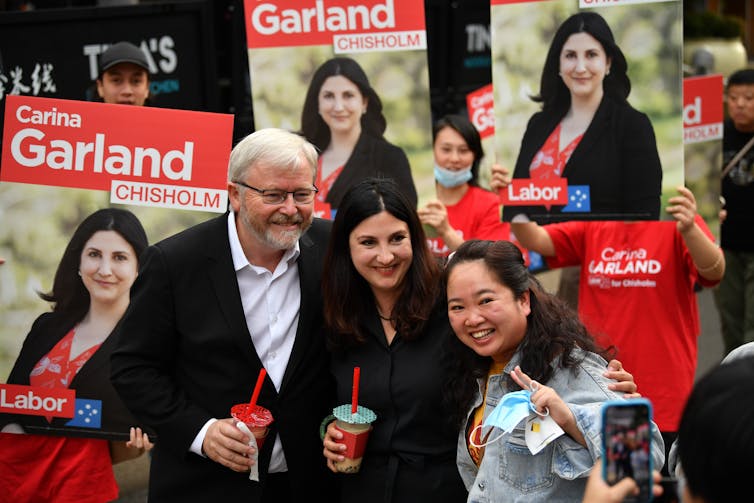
<point x="588" y="107"/>
<point x="84" y="188"/>
<point x="352" y="77"/>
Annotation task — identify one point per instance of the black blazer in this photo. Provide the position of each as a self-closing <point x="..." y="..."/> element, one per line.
<point x="92" y="381"/>
<point x="373" y="157"/>
<point x="617" y="157"/>
<point x="184" y="355"/>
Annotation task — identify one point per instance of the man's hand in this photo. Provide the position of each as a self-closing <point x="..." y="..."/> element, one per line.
<point x="227" y="445"/>
<point x="625" y="380"/>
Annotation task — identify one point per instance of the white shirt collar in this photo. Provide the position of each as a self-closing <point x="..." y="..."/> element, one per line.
<point x="236" y="250"/>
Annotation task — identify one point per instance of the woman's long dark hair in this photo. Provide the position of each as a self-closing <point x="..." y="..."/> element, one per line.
<point x="313" y="128"/>
<point x="69" y="295"/>
<point x="553" y="329"/>
<point x="348" y="299"/>
<point x="470" y="135"/>
<point x="553" y="93"/>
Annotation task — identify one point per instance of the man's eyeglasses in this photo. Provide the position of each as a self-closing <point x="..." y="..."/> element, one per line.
<point x="277" y="196"/>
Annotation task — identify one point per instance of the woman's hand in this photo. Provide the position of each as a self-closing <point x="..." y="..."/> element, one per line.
<point x="139" y="441"/>
<point x="137" y="445"/>
<point x="625" y="384"/>
<point x="545" y="399"/>
<point x="683" y="209"/>
<point x="435" y="214"/>
<point x="333" y="449"/>
<point x="500" y="177"/>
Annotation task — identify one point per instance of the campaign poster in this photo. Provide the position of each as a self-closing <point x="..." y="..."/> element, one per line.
<point x="703" y="147"/>
<point x="625" y="161"/>
<point x="62" y="160"/>
<point x="289" y="40"/>
<point x="481" y="112"/>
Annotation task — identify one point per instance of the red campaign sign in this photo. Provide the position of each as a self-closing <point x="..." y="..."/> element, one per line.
<point x="481" y="111"/>
<point x="702" y="108"/>
<point x="288" y="23"/>
<point x="527" y="191"/>
<point x="37" y="401"/>
<point x="143" y="155"/>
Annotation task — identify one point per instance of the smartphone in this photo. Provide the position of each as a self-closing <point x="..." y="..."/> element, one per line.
<point x="627" y="444"/>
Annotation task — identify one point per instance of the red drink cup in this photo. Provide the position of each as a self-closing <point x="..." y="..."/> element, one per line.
<point x="255" y="417"/>
<point x="355" y="428"/>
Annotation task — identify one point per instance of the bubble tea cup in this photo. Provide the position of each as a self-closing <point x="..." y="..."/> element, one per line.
<point x="355" y="428"/>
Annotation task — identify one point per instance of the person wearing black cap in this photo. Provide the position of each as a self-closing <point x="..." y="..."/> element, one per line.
<point x="123" y="75"/>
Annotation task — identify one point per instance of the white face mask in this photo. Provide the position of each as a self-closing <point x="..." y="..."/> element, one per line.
<point x="513" y="408"/>
<point x="451" y="178"/>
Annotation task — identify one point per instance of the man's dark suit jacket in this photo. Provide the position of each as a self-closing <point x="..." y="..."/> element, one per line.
<point x="617" y="157"/>
<point x="184" y="355"/>
<point x="373" y="157"/>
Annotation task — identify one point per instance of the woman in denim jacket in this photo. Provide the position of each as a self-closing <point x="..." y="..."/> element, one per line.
<point x="505" y="322"/>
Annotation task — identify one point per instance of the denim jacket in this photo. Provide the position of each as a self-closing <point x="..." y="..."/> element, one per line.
<point x="510" y="473"/>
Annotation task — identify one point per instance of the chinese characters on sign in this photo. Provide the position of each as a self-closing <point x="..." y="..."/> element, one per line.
<point x="38" y="80"/>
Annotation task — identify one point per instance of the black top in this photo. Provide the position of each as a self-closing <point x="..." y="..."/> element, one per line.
<point x="411" y="451"/>
<point x="738" y="190"/>
<point x="373" y="157"/>
<point x="617" y="158"/>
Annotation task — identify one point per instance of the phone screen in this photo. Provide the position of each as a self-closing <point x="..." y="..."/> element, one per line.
<point x="626" y="437"/>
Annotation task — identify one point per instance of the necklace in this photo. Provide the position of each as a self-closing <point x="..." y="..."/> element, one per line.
<point x="386" y="318"/>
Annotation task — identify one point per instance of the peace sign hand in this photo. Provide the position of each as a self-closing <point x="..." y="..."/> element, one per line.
<point x="545" y="399"/>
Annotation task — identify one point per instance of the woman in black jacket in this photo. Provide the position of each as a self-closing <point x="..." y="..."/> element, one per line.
<point x="587" y="132"/>
<point x="342" y="117"/>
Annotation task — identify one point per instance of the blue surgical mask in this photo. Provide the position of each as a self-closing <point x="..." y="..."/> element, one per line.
<point x="450" y="178"/>
<point x="513" y="408"/>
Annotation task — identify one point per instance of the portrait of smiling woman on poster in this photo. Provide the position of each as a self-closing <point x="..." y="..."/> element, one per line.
<point x="343" y="118"/>
<point x="587" y="132"/>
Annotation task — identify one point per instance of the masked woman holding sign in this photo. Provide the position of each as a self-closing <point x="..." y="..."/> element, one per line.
<point x="587" y="132"/>
<point x="342" y="117"/>
<point x="517" y="343"/>
<point x="463" y="210"/>
<point x="70" y="348"/>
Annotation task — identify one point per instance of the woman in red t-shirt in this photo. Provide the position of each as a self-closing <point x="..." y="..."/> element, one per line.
<point x="463" y="210"/>
<point x="69" y="348"/>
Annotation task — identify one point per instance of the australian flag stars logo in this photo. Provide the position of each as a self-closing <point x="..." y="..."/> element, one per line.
<point x="88" y="414"/>
<point x="578" y="199"/>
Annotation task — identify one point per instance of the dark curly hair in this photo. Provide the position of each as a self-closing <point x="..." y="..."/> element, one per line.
<point x="553" y="329"/>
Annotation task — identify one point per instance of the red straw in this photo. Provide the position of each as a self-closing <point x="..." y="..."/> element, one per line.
<point x="258" y="387"/>
<point x="355" y="391"/>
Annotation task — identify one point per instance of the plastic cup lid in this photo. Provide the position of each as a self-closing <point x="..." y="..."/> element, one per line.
<point x="363" y="415"/>
<point x="255" y="416"/>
